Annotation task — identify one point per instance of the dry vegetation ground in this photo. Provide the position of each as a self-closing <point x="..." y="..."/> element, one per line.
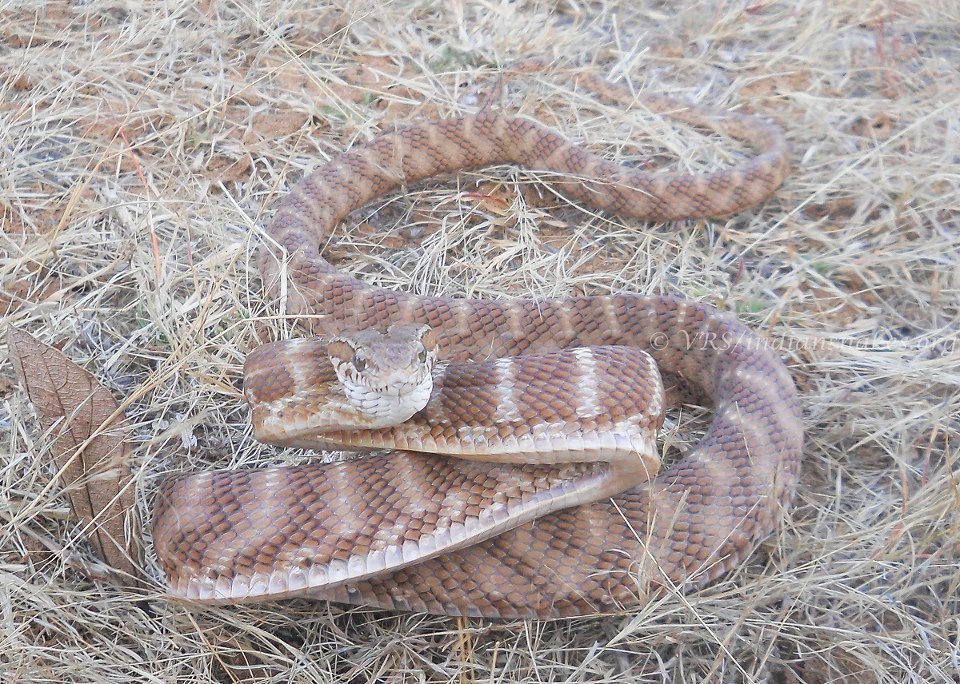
<point x="143" y="146"/>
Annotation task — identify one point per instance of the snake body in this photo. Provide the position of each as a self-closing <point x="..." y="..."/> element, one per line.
<point x="396" y="530"/>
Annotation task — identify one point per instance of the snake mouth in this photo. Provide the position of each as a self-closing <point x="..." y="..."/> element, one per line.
<point x="388" y="404"/>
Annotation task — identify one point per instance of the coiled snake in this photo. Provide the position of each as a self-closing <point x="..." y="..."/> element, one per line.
<point x="412" y="531"/>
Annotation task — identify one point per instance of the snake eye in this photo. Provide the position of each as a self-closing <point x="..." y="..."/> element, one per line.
<point x="359" y="361"/>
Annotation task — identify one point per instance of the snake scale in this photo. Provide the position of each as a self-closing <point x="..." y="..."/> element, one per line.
<point x="400" y="530"/>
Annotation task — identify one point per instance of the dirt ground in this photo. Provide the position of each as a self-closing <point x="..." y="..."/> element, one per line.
<point x="143" y="147"/>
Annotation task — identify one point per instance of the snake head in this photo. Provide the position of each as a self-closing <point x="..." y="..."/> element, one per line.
<point x="386" y="376"/>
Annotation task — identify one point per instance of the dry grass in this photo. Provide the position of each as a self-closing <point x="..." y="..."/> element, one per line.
<point x="144" y="146"/>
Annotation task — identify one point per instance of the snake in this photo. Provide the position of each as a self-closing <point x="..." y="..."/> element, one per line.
<point x="521" y="478"/>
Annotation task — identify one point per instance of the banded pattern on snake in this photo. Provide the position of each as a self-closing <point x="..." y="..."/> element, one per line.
<point x="368" y="523"/>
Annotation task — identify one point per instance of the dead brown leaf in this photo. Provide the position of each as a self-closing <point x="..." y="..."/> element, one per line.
<point x="241" y="661"/>
<point x="226" y="170"/>
<point x="272" y="125"/>
<point x="878" y="127"/>
<point x="89" y="447"/>
<point x="22" y="291"/>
